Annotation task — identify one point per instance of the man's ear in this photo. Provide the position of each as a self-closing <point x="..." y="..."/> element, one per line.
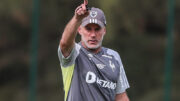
<point x="104" y="31"/>
<point x="79" y="30"/>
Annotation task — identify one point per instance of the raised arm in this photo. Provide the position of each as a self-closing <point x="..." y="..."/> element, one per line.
<point x="67" y="41"/>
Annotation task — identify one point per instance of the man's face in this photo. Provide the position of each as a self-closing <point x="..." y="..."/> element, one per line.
<point x="92" y="35"/>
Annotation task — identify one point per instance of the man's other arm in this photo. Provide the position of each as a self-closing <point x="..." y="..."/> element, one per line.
<point x="122" y="97"/>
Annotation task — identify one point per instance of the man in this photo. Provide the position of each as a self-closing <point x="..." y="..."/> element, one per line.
<point x="90" y="71"/>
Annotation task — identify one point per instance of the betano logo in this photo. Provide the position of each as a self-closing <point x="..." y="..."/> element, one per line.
<point x="92" y="78"/>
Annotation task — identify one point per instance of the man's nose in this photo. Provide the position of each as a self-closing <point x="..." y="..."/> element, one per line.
<point x="93" y="33"/>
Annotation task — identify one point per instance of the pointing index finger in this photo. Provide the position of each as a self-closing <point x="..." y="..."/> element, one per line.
<point x="85" y="2"/>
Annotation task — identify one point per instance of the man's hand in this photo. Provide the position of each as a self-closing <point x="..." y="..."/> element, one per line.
<point x="81" y="11"/>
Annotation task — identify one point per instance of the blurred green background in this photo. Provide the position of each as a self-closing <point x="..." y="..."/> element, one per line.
<point x="135" y="28"/>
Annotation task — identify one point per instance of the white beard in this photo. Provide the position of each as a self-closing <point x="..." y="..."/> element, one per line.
<point x="92" y="47"/>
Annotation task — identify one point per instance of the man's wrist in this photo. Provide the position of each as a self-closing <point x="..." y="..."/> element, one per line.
<point x="77" y="19"/>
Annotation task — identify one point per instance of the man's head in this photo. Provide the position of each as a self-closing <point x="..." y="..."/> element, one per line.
<point x="93" y="29"/>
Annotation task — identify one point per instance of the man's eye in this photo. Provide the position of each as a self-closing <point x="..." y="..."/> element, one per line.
<point x="97" y="29"/>
<point x="88" y="28"/>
